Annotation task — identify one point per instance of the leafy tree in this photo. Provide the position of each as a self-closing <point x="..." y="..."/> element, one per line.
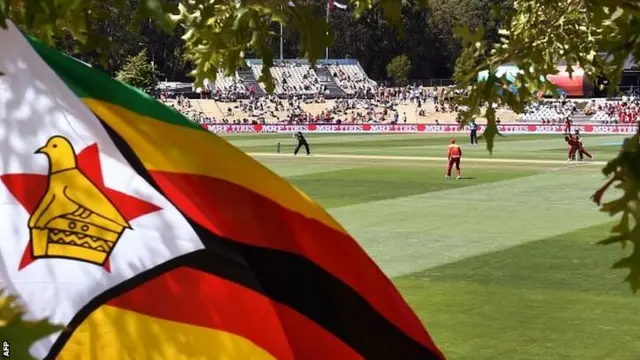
<point x="473" y="14"/>
<point x="399" y="68"/>
<point x="119" y="28"/>
<point x="20" y="333"/>
<point x="139" y="72"/>
<point x="218" y="35"/>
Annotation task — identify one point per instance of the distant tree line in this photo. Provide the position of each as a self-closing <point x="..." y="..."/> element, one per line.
<point x="426" y="37"/>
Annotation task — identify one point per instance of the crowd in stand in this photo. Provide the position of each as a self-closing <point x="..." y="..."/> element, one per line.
<point x="363" y="101"/>
<point x="380" y="108"/>
<point x="442" y="98"/>
<point x="183" y="105"/>
<point x="625" y="111"/>
<point x="293" y="78"/>
<point x="550" y="112"/>
<point x="352" y="80"/>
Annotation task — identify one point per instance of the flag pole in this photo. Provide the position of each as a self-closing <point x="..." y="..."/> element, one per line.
<point x="281" y="40"/>
<point x="326" y="50"/>
<point x="281" y="43"/>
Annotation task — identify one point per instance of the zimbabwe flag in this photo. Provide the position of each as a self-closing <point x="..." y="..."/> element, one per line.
<point x="151" y="238"/>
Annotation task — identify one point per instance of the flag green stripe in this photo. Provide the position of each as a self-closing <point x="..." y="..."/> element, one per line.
<point x="86" y="82"/>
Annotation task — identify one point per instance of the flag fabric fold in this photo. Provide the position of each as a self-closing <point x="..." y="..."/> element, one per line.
<point x="219" y="258"/>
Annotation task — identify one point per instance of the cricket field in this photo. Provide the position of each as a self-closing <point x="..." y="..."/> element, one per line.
<point x="500" y="264"/>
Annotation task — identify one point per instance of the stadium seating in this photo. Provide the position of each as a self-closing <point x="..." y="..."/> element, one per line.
<point x="228" y="84"/>
<point x="543" y="113"/>
<point x="551" y="111"/>
<point x="603" y="116"/>
<point x="292" y="78"/>
<point x="351" y="78"/>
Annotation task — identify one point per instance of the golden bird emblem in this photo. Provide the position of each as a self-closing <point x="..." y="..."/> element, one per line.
<point x="74" y="219"/>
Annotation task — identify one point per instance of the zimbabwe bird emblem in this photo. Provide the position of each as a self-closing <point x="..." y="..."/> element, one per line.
<point x="72" y="213"/>
<point x="74" y="219"/>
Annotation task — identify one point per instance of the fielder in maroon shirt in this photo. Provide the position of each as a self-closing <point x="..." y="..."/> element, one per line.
<point x="454" y="155"/>
<point x="567" y="126"/>
<point x="582" y="151"/>
<point x="573" y="146"/>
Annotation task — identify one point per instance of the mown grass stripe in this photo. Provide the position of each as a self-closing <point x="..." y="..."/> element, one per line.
<point x="412" y="233"/>
<point x="472" y="321"/>
<point x="514" y="297"/>
<point x="369" y="184"/>
<point x="430" y="158"/>
<point x="566" y="262"/>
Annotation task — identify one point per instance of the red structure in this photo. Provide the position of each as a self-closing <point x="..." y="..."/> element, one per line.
<point x="576" y="85"/>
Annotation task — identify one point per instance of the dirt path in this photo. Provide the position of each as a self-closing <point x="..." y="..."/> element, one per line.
<point x="427" y="158"/>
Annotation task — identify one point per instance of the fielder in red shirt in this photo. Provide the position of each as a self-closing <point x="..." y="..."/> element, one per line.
<point x="582" y="151"/>
<point x="454" y="155"/>
<point x="567" y="126"/>
<point x="574" y="146"/>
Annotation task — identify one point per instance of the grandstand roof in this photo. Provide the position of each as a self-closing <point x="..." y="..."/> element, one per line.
<point x="305" y="61"/>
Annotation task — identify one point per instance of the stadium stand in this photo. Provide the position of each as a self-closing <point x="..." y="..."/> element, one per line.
<point x="229" y="84"/>
<point x="551" y="111"/>
<point x="625" y="111"/>
<point x="596" y="111"/>
<point x="292" y="78"/>
<point x="335" y="91"/>
<point x="352" y="79"/>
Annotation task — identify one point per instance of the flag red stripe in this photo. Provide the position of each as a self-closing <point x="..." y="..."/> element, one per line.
<point x="198" y="298"/>
<point x="241" y="215"/>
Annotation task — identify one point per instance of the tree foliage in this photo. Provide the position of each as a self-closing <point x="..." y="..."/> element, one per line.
<point x="119" y="30"/>
<point x="18" y="332"/>
<point x="139" y="72"/>
<point x="399" y="68"/>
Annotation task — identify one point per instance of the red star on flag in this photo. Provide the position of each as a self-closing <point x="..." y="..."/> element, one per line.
<point x="28" y="189"/>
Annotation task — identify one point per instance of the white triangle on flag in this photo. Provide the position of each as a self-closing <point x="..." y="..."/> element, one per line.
<point x="34" y="106"/>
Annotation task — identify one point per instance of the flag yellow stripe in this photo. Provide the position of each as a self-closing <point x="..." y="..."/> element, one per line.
<point x="111" y="333"/>
<point x="167" y="147"/>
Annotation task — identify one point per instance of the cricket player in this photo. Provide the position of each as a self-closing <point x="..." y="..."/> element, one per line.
<point x="581" y="150"/>
<point x="454" y="155"/>
<point x="301" y="142"/>
<point x="473" y="133"/>
<point x="573" y="146"/>
<point x="567" y="126"/>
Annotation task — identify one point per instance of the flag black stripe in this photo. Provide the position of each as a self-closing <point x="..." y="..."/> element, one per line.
<point x="287" y="278"/>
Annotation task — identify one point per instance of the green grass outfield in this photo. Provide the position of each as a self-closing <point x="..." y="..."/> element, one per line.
<point x="499" y="265"/>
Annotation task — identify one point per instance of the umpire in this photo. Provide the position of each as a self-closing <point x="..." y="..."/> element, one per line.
<point x="473" y="133"/>
<point x="301" y="142"/>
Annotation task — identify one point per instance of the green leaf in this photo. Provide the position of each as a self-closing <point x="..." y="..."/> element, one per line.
<point x="20" y="333"/>
<point x="491" y="130"/>
<point x="622" y="227"/>
<point x="392" y="10"/>
<point x="612" y="240"/>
